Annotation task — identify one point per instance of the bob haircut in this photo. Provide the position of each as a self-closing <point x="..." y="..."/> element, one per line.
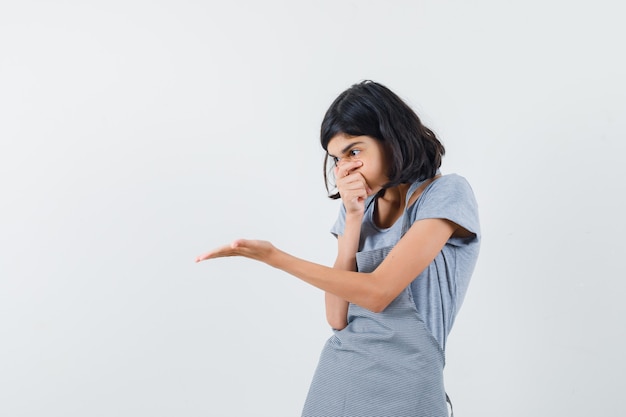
<point x="371" y="109"/>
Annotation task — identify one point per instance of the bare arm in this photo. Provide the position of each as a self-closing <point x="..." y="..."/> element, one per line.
<point x="347" y="246"/>
<point x="337" y="307"/>
<point x="353" y="190"/>
<point x="373" y="291"/>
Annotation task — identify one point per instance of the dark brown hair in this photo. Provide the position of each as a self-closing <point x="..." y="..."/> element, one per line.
<point x="371" y="109"/>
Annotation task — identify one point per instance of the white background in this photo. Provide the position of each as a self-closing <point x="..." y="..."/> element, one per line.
<point x="135" y="135"/>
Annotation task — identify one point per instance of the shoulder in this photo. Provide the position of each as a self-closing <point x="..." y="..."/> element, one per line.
<point x="451" y="182"/>
<point x="450" y="187"/>
<point x="450" y="197"/>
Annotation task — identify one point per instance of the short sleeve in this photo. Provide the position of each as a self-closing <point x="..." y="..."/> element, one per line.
<point x="340" y="223"/>
<point x="450" y="197"/>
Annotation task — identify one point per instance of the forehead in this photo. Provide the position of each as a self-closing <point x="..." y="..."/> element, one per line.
<point x="341" y="142"/>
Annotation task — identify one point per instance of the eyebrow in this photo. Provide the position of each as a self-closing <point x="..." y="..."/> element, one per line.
<point x="347" y="148"/>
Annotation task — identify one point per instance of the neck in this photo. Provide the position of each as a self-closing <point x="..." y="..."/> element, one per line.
<point x="390" y="205"/>
<point x="396" y="195"/>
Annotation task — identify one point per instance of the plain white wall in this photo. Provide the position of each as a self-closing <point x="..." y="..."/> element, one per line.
<point x="135" y="135"/>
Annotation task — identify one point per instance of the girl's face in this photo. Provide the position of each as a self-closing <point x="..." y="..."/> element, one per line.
<point x="370" y="152"/>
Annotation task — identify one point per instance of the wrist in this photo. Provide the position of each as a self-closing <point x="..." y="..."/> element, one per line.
<point x="274" y="257"/>
<point x="354" y="217"/>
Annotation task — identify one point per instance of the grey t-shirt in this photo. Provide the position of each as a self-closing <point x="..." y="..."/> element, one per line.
<point x="439" y="290"/>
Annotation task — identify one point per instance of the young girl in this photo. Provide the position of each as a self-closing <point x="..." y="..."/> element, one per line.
<point x="408" y="240"/>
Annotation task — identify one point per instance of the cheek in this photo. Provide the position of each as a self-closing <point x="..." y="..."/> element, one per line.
<point x="373" y="173"/>
<point x="376" y="167"/>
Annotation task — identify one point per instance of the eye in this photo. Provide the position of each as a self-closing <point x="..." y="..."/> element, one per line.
<point x="354" y="152"/>
<point x="335" y="160"/>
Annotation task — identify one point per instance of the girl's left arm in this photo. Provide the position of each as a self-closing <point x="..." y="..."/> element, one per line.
<point x="373" y="291"/>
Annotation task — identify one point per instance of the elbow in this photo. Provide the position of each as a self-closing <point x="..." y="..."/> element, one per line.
<point x="378" y="307"/>
<point x="337" y="324"/>
<point x="337" y="320"/>
<point x="379" y="300"/>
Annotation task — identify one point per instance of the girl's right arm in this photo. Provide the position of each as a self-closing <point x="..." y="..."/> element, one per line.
<point x="348" y="243"/>
<point x="353" y="190"/>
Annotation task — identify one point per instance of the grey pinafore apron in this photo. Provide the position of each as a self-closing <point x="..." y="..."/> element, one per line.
<point x="383" y="364"/>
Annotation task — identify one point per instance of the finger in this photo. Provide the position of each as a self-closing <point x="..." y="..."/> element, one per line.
<point x="345" y="168"/>
<point x="354" y="182"/>
<point x="222" y="251"/>
<point x="204" y="257"/>
<point x="239" y="243"/>
<point x="355" y="178"/>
